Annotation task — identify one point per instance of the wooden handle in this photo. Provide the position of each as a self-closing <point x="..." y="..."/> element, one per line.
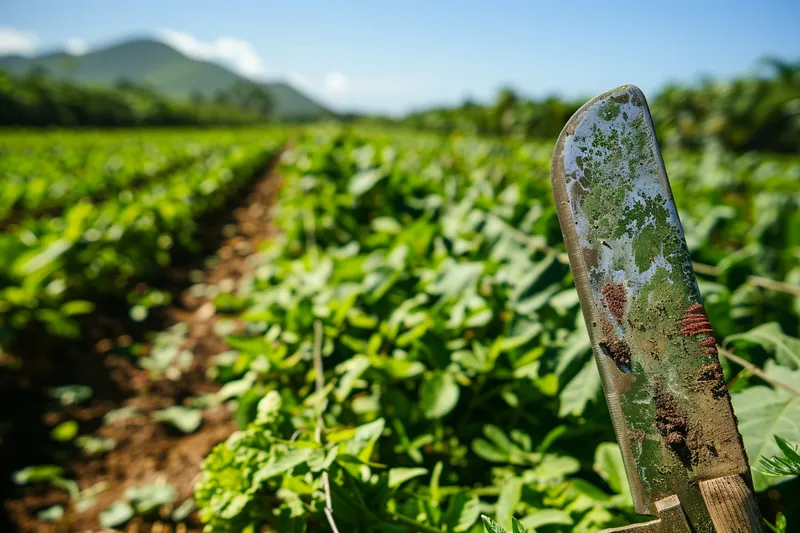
<point x="731" y="505"/>
<point x="671" y="519"/>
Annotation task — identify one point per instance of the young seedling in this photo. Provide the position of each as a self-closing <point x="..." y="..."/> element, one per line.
<point x="653" y="343"/>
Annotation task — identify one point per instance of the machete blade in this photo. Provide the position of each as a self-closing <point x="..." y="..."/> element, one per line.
<point x="652" y="340"/>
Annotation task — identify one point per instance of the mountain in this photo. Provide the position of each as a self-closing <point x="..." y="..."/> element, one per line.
<point x="163" y="68"/>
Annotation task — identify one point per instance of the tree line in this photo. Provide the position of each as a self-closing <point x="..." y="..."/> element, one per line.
<point x="759" y="111"/>
<point x="36" y="99"/>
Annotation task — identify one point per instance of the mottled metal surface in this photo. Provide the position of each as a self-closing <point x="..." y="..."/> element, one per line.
<point x="651" y="338"/>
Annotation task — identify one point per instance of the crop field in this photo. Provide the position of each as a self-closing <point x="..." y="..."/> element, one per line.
<point x="347" y="328"/>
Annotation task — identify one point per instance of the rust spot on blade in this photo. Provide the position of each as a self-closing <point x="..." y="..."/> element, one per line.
<point x="710" y="377"/>
<point x="616" y="298"/>
<point x="695" y="322"/>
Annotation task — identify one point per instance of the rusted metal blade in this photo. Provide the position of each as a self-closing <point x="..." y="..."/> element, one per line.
<point x="652" y="340"/>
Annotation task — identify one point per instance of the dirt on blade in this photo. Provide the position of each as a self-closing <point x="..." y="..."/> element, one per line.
<point x="147" y="451"/>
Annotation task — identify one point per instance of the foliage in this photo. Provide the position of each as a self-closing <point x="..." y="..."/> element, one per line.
<point x="38" y="100"/>
<point x="93" y="216"/>
<point x="140" y="500"/>
<point x="160" y="67"/>
<point x="426" y="275"/>
<point x="493" y="527"/>
<point x="455" y="358"/>
<point x="756" y="112"/>
<point x="751" y="112"/>
<point x="786" y="465"/>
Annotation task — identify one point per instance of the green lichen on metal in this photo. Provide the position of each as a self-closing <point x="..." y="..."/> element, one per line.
<point x="638" y="289"/>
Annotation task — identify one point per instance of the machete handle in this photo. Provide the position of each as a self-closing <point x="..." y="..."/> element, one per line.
<point x="671" y="519"/>
<point x="730" y="503"/>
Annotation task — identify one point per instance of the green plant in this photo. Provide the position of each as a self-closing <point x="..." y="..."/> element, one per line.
<point x="61" y="247"/>
<point x="786" y="465"/>
<point x="433" y="268"/>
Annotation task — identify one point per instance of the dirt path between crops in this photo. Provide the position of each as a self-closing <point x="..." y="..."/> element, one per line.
<point x="147" y="451"/>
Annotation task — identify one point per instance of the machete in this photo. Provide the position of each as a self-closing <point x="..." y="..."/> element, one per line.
<point x="651" y="337"/>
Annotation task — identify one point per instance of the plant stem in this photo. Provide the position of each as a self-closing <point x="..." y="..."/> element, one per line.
<point x="758" y="281"/>
<point x="755" y="370"/>
<point x="320" y="382"/>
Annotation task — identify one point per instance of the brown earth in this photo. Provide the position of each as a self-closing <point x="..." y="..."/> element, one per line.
<point x="146" y="451"/>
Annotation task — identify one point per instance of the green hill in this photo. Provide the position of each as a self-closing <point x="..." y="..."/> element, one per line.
<point x="163" y="68"/>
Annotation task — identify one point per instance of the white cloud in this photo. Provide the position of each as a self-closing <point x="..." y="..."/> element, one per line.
<point x="393" y="94"/>
<point x="77" y="47"/>
<point x="239" y="53"/>
<point x="13" y="41"/>
<point x="336" y="82"/>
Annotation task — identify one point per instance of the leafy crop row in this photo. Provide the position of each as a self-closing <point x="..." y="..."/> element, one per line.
<point x="414" y="354"/>
<point x="49" y="264"/>
<point x="42" y="172"/>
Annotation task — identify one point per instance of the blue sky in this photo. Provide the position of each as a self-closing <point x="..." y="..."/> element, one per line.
<point x="394" y="56"/>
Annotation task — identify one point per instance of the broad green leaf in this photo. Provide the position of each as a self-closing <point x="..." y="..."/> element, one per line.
<point x="489" y="452"/>
<point x="398" y="476"/>
<point x="185" y="419"/>
<point x="516" y="526"/>
<point x="65" y="431"/>
<point x="763" y="412"/>
<point x="77" y="307"/>
<point x="268" y="407"/>
<point x="609" y="465"/>
<point x="770" y="336"/>
<point x="491" y="526"/>
<point x="148" y="498"/>
<point x="462" y="512"/>
<point x="30" y="264"/>
<point x="365" y="180"/>
<point x="51" y="514"/>
<point x="455" y="278"/>
<point x="71" y="394"/>
<point x="116" y="515"/>
<point x="537" y="286"/>
<point x="37" y="474"/>
<point x="588" y="489"/>
<point x="547" y="517"/>
<point x="578" y="348"/>
<point x="553" y="469"/>
<point x="283" y="464"/>
<point x="183" y="511"/>
<point x="350" y="371"/>
<point x="364" y="439"/>
<point x="439" y="395"/>
<point x="584" y="388"/>
<point x="510" y="496"/>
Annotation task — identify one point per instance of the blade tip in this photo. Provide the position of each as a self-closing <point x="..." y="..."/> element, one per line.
<point x="572" y="124"/>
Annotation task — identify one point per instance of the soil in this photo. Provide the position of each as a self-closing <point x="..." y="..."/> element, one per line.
<point x="617" y="349"/>
<point x="710" y="376"/>
<point x="672" y="423"/>
<point x="146" y="451"/>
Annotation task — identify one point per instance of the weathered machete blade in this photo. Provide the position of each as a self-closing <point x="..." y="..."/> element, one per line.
<point x="652" y="340"/>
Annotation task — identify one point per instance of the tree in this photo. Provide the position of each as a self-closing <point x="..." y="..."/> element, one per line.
<point x="197" y="97"/>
